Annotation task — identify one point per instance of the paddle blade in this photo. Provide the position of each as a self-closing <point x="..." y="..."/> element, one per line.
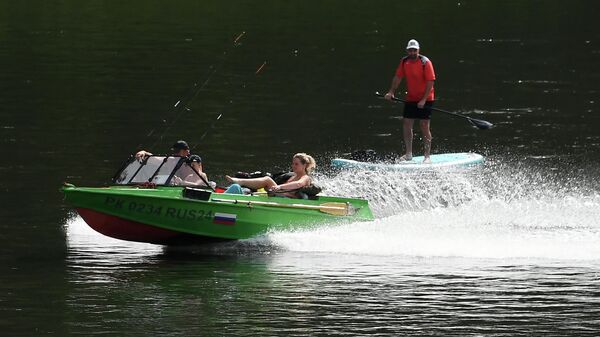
<point x="481" y="124"/>
<point x="337" y="208"/>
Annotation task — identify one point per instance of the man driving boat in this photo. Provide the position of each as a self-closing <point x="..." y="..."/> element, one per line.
<point x="187" y="175"/>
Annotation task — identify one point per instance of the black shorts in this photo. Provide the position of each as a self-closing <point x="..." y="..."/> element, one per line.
<point x="412" y="111"/>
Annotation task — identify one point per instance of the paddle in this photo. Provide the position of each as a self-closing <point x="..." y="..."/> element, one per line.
<point x="480" y="124"/>
<point x="333" y="208"/>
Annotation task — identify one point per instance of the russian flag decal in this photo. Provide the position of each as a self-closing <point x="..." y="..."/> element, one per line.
<point x="224" y="218"/>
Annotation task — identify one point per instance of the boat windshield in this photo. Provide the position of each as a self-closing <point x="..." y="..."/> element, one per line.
<point x="159" y="170"/>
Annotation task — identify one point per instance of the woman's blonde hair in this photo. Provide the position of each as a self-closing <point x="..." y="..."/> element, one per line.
<point x="306" y="160"/>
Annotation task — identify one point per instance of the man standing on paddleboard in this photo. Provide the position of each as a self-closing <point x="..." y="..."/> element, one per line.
<point x="419" y="74"/>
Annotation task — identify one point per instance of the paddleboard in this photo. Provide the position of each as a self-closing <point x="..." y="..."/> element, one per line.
<point x="442" y="160"/>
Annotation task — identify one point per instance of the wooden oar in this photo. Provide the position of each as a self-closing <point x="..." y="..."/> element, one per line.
<point x="480" y="124"/>
<point x="333" y="208"/>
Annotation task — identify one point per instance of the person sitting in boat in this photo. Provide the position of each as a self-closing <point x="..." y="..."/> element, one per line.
<point x="302" y="166"/>
<point x="189" y="174"/>
<point x="180" y="148"/>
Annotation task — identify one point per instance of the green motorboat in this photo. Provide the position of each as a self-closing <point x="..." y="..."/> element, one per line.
<point x="145" y="205"/>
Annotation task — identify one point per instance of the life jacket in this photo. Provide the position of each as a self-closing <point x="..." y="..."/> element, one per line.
<point x="306" y="192"/>
<point x="282" y="177"/>
<point x="310" y="191"/>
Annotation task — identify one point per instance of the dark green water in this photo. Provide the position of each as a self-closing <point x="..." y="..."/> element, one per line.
<point x="508" y="249"/>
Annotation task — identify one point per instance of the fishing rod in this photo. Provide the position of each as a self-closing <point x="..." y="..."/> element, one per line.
<point x="219" y="117"/>
<point x="235" y="44"/>
<point x="206" y="131"/>
<point x="480" y="124"/>
<point x="178" y="108"/>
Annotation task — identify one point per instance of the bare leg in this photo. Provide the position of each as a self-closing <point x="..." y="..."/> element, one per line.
<point x="253" y="183"/>
<point x="424" y="123"/>
<point x="408" y="136"/>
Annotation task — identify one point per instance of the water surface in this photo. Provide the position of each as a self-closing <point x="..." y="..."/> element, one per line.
<point x="510" y="248"/>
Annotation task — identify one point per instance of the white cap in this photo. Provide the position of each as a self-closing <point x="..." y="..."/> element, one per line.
<point x="412" y="44"/>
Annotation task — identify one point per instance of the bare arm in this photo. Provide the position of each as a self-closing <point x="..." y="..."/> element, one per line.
<point x="302" y="182"/>
<point x="203" y="175"/>
<point x="428" y="88"/>
<point x="393" y="87"/>
<point x="198" y="167"/>
<point x="190" y="180"/>
<point x="197" y="178"/>
<point x="194" y="178"/>
<point x="141" y="154"/>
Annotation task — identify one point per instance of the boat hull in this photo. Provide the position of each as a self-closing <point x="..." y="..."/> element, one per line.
<point x="123" y="229"/>
<point x="165" y="216"/>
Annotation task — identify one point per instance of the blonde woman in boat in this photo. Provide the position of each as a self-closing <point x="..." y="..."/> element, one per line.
<point x="302" y="166"/>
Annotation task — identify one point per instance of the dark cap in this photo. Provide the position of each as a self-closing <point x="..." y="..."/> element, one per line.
<point x="180" y="145"/>
<point x="194" y="158"/>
